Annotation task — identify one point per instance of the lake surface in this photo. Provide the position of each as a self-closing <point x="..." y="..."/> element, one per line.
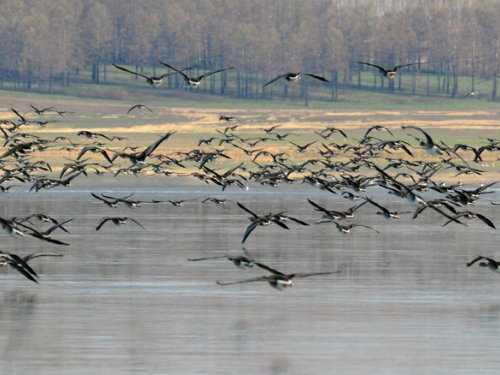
<point x="124" y="300"/>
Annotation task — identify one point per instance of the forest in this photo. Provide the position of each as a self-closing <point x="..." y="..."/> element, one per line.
<point x="47" y="44"/>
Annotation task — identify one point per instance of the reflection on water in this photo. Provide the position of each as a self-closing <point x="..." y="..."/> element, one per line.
<point x="126" y="301"/>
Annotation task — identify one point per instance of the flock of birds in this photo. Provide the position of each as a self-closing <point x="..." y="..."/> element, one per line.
<point x="195" y="81"/>
<point x="334" y="162"/>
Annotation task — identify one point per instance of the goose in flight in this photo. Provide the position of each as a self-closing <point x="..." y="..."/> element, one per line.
<point x="490" y="263"/>
<point x="140" y="157"/>
<point x="40" y="111"/>
<point x="347" y="228"/>
<point x="377" y="128"/>
<point x="117" y="221"/>
<point x="277" y="279"/>
<point x="194" y="81"/>
<point x="128" y="202"/>
<point x="227" y="118"/>
<point x="15" y="261"/>
<point x="429" y="144"/>
<point x="11" y="227"/>
<point x="217" y="201"/>
<point x="91" y="135"/>
<point x="46" y="235"/>
<point x="302" y="148"/>
<point x="139" y="106"/>
<point x="113" y="202"/>
<point x="471" y="215"/>
<point x="294" y="77"/>
<point x="153" y="81"/>
<point x="389" y="73"/>
<point x="384" y="212"/>
<point x="265" y="220"/>
<point x="44" y="218"/>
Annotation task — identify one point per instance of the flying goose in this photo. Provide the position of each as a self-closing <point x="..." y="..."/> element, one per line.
<point x="117" y="221"/>
<point x="277" y="279"/>
<point x="40" y="111"/>
<point x="342" y="228"/>
<point x="194" y="81"/>
<point x="472" y="215"/>
<point x="19" y="264"/>
<point x="257" y="220"/>
<point x="111" y="203"/>
<point x="139" y="106"/>
<point x="45" y="236"/>
<point x="294" y="77"/>
<point x="153" y="81"/>
<point x="140" y="157"/>
<point x="389" y="73"/>
<point x="383" y="211"/>
<point x="490" y="263"/>
<point x="429" y="144"/>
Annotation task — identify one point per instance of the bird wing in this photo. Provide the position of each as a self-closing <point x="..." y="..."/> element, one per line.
<point x="267" y="268"/>
<point x="297" y="275"/>
<point x="382" y="70"/>
<point x="402" y="66"/>
<point x="485" y="220"/>
<point x="369" y="130"/>
<point x="132" y="108"/>
<point x="376" y="204"/>
<point x="103" y="221"/>
<point x="217" y="71"/>
<point x="249" y="230"/>
<point x="297" y="221"/>
<point x="317" y="206"/>
<point x="406" y="150"/>
<point x="129" y="71"/>
<point x="174" y="69"/>
<point x="16" y="262"/>
<point x="309" y="144"/>
<point x="206" y="258"/>
<point x="451" y="218"/>
<point x="275" y="79"/>
<point x="365" y="226"/>
<point x="280" y="223"/>
<point x="57" y="225"/>
<point x="479" y="257"/>
<point x="99" y="198"/>
<point x="31" y="256"/>
<point x="261" y="278"/>
<point x="323" y="79"/>
<point x="427" y="136"/>
<point x="135" y="221"/>
<point x="45" y="238"/>
<point x="153" y="147"/>
<point x="247" y="210"/>
<point x="18" y="115"/>
<point x="356" y="207"/>
<point x="341" y="132"/>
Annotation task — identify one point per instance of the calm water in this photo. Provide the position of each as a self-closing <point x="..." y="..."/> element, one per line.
<point x="127" y="301"/>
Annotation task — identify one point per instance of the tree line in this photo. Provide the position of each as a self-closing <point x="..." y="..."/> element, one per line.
<point x="47" y="42"/>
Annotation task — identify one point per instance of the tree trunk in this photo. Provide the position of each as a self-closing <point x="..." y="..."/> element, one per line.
<point x="334" y="86"/>
<point x="454" y="91"/>
<point x="494" y="91"/>
<point x="414" y="82"/>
